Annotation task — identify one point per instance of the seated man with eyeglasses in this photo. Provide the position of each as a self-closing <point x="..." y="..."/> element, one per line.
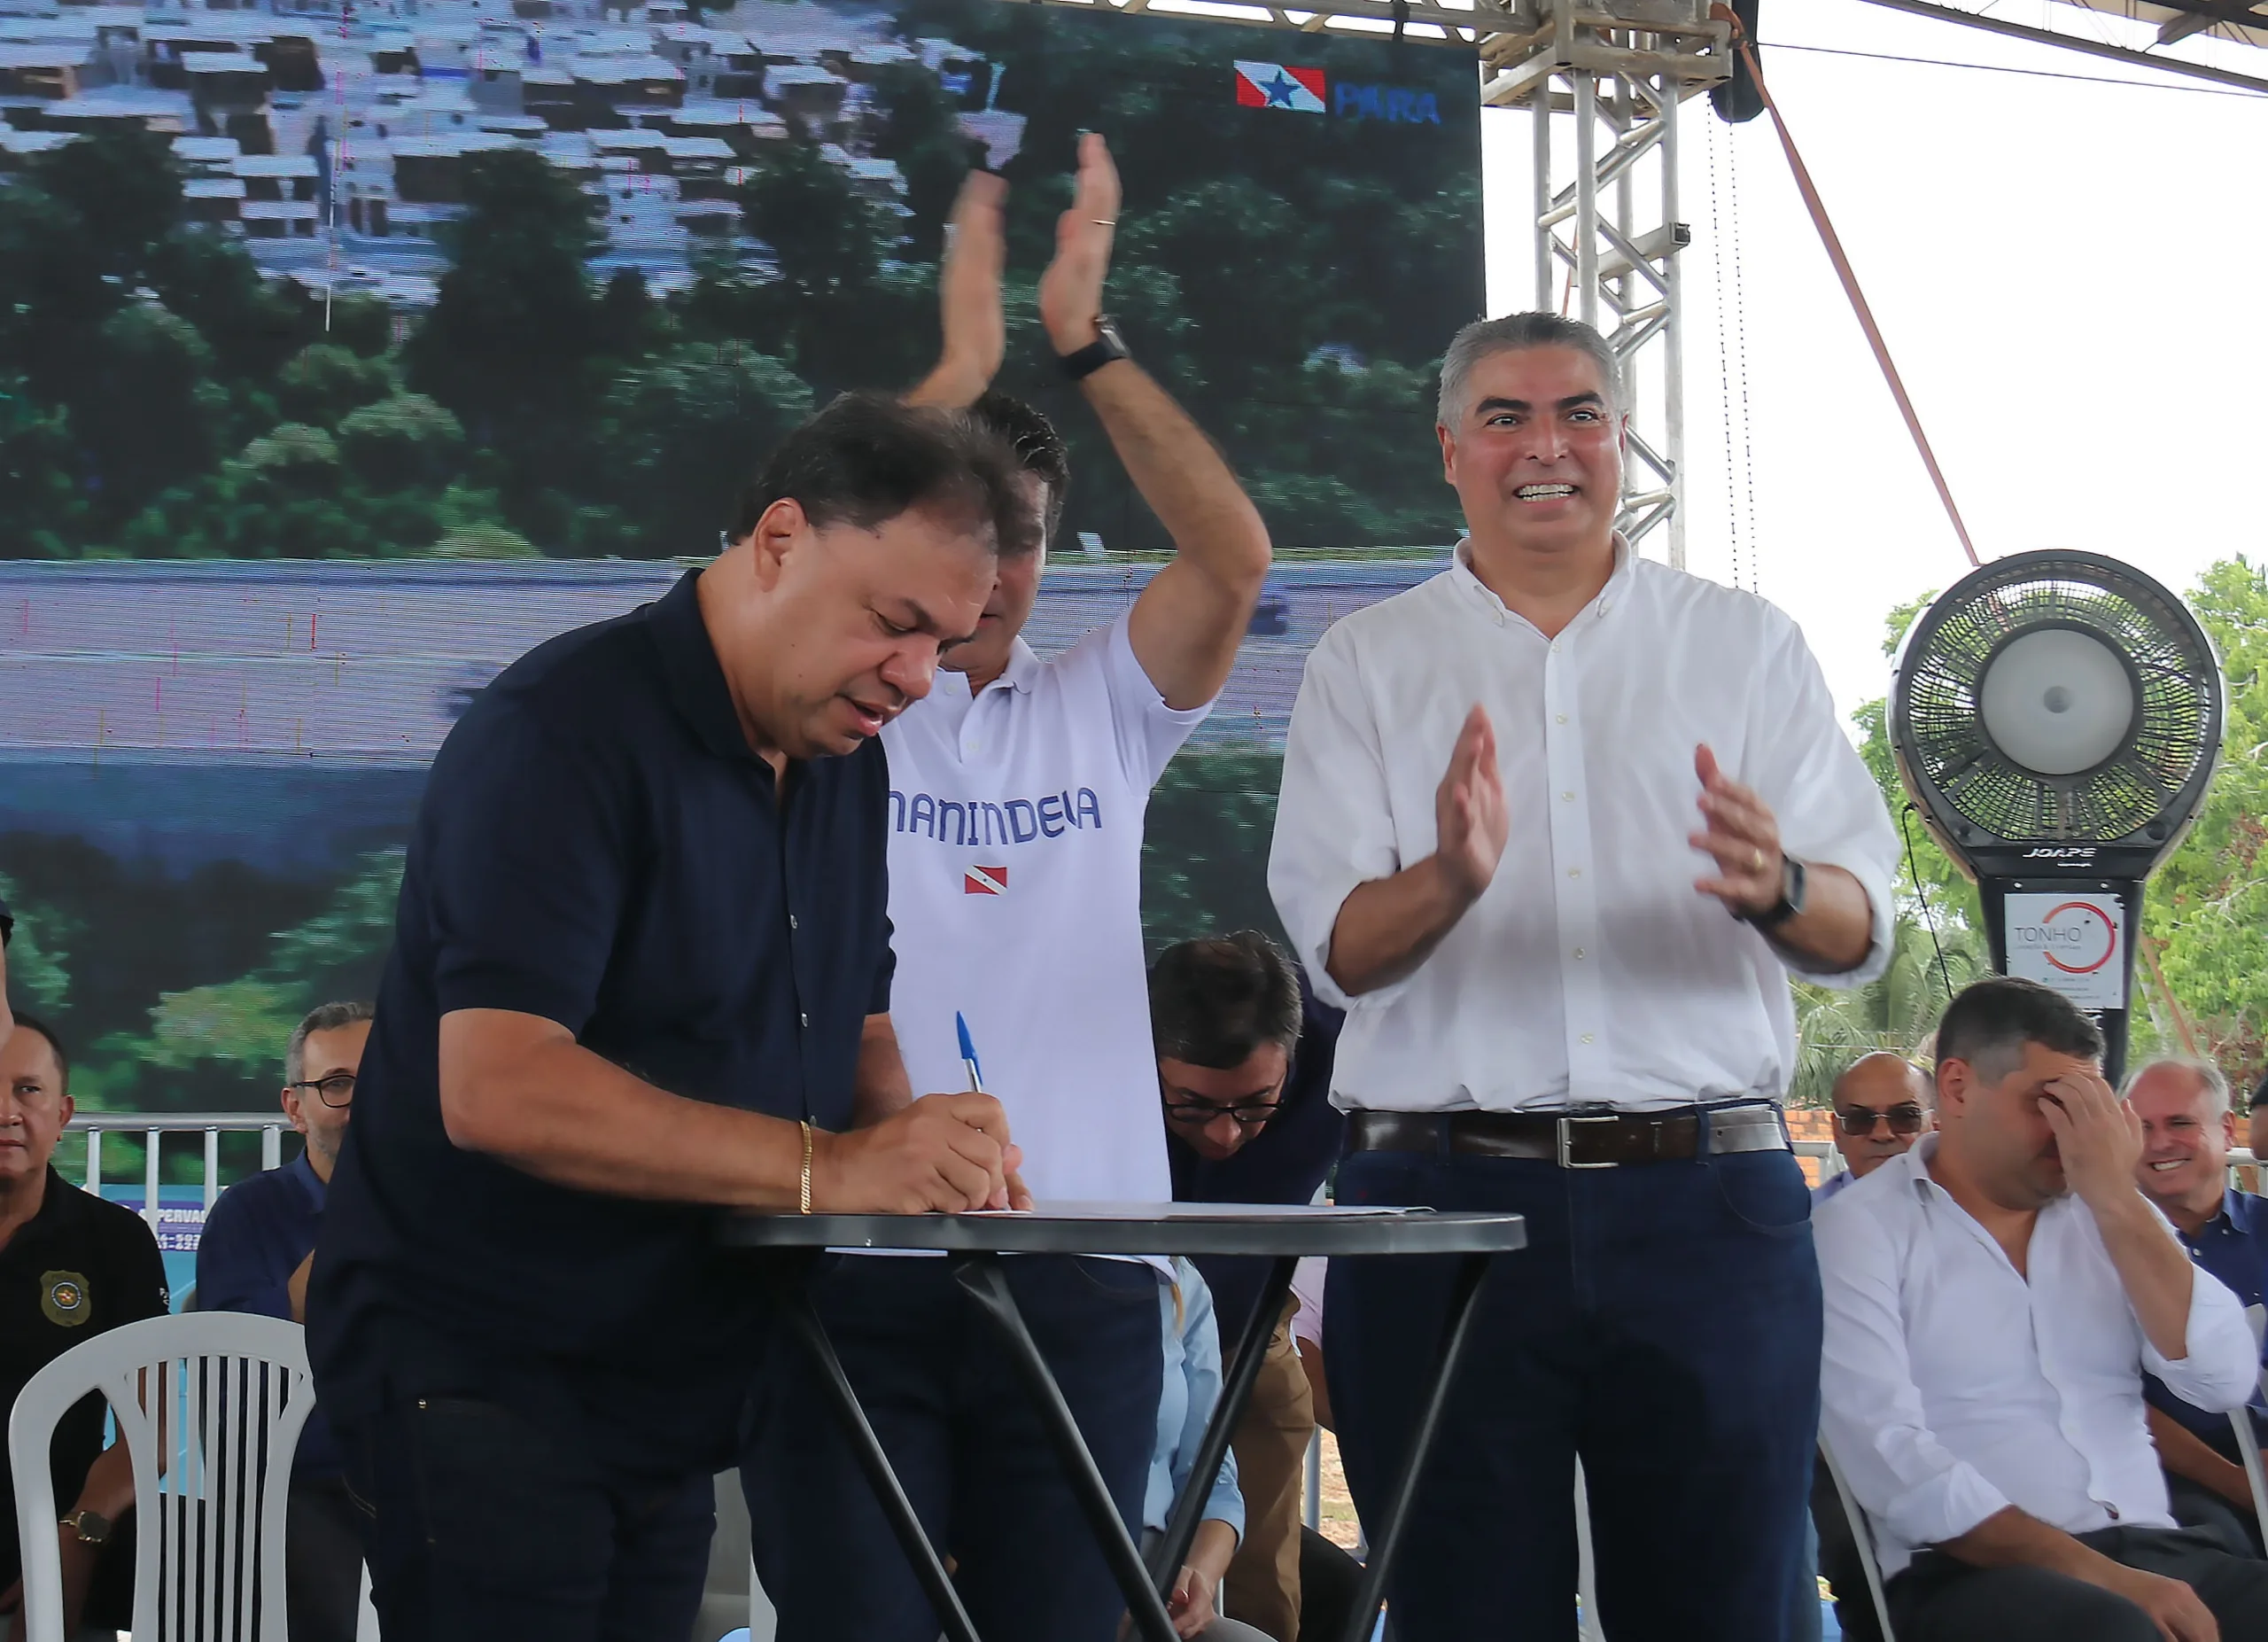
<point x="1882" y="1104"/>
<point x="257" y="1248"/>
<point x="1244" y="1054"/>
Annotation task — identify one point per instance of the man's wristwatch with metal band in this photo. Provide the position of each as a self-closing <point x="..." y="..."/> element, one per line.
<point x="91" y="1527"/>
<point x="1790" y="905"/>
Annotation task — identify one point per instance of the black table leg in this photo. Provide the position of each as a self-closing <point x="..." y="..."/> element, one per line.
<point x="790" y="1283"/>
<point x="1371" y="1596"/>
<point x="980" y="1275"/>
<point x="1236" y="1391"/>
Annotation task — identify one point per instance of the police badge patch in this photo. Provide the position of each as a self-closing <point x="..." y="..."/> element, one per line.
<point x="62" y="1296"/>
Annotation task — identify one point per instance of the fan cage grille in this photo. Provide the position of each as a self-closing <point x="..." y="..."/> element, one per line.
<point x="2170" y="745"/>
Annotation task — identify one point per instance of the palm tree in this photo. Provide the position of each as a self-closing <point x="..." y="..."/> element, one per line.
<point x="1898" y="1011"/>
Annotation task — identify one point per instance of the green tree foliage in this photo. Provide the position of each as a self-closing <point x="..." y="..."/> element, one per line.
<point x="39" y="972"/>
<point x="401" y="443"/>
<point x="686" y="432"/>
<point x="824" y="237"/>
<point x="2208" y="904"/>
<point x="516" y="327"/>
<point x="1205" y="846"/>
<point x="1898" y="1012"/>
<point x="218" y="1045"/>
<point x="325" y="384"/>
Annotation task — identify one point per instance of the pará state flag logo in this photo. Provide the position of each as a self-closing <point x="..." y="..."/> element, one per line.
<point x="985" y="881"/>
<point x="1279" y="85"/>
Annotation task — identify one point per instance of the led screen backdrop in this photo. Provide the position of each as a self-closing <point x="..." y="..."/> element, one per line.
<point x="350" y="353"/>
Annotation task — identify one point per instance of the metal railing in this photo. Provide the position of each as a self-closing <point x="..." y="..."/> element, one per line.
<point x="153" y="1127"/>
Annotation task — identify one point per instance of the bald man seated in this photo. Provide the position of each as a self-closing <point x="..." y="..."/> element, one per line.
<point x="1882" y="1104"/>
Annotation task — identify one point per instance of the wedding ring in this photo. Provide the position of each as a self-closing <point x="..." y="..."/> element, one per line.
<point x="1104" y="222"/>
<point x="1759" y="862"/>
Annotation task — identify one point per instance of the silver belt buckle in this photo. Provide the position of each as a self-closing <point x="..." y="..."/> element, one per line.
<point x="1566" y="1137"/>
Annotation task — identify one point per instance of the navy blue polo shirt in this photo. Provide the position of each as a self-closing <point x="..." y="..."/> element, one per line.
<point x="2233" y="1247"/>
<point x="598" y="847"/>
<point x="255" y="1235"/>
<point x="1283" y="1164"/>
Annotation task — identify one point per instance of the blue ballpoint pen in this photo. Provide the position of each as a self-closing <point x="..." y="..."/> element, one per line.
<point x="969" y="1054"/>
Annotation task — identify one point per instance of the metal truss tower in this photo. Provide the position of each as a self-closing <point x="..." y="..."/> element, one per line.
<point x="1604" y="80"/>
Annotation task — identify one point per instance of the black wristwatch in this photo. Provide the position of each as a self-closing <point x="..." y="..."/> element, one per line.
<point x="1790" y="903"/>
<point x="1108" y="345"/>
<point x="92" y="1526"/>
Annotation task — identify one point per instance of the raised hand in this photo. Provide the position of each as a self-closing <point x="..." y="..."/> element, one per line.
<point x="944" y="1154"/>
<point x="2097" y="1136"/>
<point x="1741" y="833"/>
<point x="968" y="296"/>
<point x="1471" y="819"/>
<point x="1070" y="291"/>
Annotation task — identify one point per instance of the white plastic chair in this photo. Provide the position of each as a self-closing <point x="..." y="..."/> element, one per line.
<point x="2247" y="1440"/>
<point x="1862" y="1535"/>
<point x="208" y="1550"/>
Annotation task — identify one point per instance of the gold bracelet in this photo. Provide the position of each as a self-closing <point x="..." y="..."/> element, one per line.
<point x="803" y="1205"/>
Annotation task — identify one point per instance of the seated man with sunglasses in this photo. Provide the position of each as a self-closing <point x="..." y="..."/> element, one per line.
<point x="1245" y="1053"/>
<point x="258" y="1246"/>
<point x="1882" y="1104"/>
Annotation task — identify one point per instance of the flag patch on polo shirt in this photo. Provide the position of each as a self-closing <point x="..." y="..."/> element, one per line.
<point x="985" y="881"/>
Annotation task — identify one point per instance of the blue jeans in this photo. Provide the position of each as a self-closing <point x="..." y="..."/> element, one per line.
<point x="965" y="1439"/>
<point x="1664" y="1323"/>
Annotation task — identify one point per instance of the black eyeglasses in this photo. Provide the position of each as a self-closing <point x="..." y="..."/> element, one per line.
<point x="1248" y="1114"/>
<point x="336" y="1090"/>
<point x="1861" y="1120"/>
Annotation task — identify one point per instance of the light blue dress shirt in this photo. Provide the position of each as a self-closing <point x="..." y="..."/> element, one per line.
<point x="1192" y="1387"/>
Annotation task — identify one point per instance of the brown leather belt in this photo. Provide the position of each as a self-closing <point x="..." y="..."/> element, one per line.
<point x="1572" y="1139"/>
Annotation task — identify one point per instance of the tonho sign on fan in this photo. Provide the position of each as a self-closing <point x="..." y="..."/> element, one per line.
<point x="2071" y="943"/>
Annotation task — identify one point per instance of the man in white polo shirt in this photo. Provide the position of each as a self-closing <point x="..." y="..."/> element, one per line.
<point x="1017" y="796"/>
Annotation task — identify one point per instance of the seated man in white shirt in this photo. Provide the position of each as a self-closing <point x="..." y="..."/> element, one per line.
<point x="1993" y="1298"/>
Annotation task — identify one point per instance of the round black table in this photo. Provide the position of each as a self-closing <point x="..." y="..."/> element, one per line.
<point x="975" y="1243"/>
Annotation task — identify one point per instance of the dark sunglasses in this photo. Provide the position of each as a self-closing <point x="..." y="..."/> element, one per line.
<point x="337" y="1090"/>
<point x="1861" y="1120"/>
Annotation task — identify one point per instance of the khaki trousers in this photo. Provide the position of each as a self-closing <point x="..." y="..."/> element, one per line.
<point x="1270" y="1443"/>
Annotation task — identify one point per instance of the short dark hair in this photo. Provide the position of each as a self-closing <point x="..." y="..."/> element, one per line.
<point x="1213" y="1001"/>
<point x="324" y="1017"/>
<point x="1992" y="1020"/>
<point x="1039" y="449"/>
<point x="32" y="1023"/>
<point x="867" y="459"/>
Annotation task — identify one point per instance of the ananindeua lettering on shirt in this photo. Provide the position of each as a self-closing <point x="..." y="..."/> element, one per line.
<point x="1011" y="821"/>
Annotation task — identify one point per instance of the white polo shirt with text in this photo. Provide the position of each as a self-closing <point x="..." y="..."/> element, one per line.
<point x="1016" y="897"/>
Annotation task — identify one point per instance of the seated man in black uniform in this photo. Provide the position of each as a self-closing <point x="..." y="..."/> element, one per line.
<point x="72" y="1267"/>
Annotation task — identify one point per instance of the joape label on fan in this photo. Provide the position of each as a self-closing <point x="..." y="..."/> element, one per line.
<point x="2073" y="943"/>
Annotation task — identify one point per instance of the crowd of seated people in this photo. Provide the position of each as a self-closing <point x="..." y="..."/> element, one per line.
<point x="2036" y="1296"/>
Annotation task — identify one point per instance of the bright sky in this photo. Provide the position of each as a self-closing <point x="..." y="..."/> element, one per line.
<point x="2065" y="272"/>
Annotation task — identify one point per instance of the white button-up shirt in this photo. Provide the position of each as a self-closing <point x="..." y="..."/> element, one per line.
<point x="1954" y="1387"/>
<point x="1590" y="971"/>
